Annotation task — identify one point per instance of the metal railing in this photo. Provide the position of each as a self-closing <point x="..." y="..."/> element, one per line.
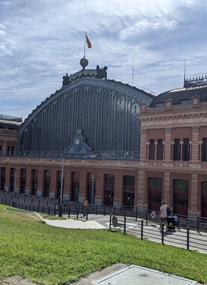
<point x="18" y="200"/>
<point x="185" y="238"/>
<point x="127" y="155"/>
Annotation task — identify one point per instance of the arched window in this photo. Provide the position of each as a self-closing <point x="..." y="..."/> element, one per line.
<point x="108" y="189"/>
<point x="155" y="193"/>
<point x="3" y="177"/>
<point x="75" y="186"/>
<point x="129" y="184"/>
<point x="47" y="179"/>
<point x="23" y="175"/>
<point x="12" y="179"/>
<point x="204" y="199"/>
<point x="59" y="184"/>
<point x="34" y="181"/>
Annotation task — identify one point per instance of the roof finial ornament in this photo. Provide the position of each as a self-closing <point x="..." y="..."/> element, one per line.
<point x="83" y="62"/>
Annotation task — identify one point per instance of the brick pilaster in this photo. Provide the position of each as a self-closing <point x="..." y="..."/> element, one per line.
<point x="195" y="144"/>
<point x="193" y="196"/>
<point x="143" y="145"/>
<point x="142" y="195"/>
<point x="167" y="144"/>
<point x="167" y="192"/>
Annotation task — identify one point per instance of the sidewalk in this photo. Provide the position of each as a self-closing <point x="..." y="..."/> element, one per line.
<point x="75" y="224"/>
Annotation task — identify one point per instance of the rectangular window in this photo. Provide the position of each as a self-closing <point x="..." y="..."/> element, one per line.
<point x="152" y="150"/>
<point x="186" y="150"/>
<point x="12" y="151"/>
<point x="161" y="104"/>
<point x="186" y="101"/>
<point x="176" y="149"/>
<point x="8" y="151"/>
<point x="204" y="150"/>
<point x="159" y="149"/>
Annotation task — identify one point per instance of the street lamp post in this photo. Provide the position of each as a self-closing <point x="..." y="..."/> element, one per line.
<point x="61" y="189"/>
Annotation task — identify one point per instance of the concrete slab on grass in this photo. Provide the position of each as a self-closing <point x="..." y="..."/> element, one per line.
<point x="134" y="275"/>
<point x="74" y="224"/>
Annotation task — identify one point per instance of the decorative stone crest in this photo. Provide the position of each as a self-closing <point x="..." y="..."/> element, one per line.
<point x="168" y="105"/>
<point x="196" y="101"/>
<point x="143" y="108"/>
<point x="78" y="146"/>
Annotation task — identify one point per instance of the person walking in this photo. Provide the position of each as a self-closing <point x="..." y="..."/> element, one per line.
<point x="85" y="205"/>
<point x="163" y="215"/>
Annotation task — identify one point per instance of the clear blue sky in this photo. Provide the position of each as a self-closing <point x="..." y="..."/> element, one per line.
<point x="41" y="40"/>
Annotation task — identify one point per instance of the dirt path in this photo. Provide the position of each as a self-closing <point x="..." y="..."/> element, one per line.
<point x="17" y="280"/>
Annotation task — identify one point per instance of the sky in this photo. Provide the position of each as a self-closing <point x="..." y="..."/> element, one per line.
<point x="41" y="40"/>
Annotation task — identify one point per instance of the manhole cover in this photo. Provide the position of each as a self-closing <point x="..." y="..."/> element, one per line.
<point x="135" y="275"/>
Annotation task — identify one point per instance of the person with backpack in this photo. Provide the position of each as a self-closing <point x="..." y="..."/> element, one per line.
<point x="163" y="215"/>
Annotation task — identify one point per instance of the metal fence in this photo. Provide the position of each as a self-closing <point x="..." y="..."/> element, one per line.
<point x="44" y="204"/>
<point x="137" y="222"/>
<point x="109" y="155"/>
<point x="185" y="238"/>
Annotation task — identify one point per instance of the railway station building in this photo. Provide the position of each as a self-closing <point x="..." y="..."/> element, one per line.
<point x="115" y="144"/>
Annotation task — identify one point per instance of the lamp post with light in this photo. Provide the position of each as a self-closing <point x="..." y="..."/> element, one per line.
<point x="61" y="189"/>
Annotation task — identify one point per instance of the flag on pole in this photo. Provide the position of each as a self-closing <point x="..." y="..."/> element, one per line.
<point x="88" y="42"/>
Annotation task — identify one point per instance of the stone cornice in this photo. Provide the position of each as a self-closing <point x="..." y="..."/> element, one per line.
<point x="4" y="135"/>
<point x="161" y="117"/>
<point x="164" y="166"/>
<point x="178" y="110"/>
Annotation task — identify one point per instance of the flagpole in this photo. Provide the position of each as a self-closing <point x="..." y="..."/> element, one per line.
<point x="133" y="71"/>
<point x="85" y="45"/>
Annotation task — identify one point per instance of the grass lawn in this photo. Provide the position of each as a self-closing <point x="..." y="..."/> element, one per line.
<point x="49" y="255"/>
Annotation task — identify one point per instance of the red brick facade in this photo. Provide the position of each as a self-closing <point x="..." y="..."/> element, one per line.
<point x="172" y="166"/>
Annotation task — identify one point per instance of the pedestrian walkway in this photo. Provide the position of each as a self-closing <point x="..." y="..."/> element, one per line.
<point x="151" y="231"/>
<point x="75" y="224"/>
